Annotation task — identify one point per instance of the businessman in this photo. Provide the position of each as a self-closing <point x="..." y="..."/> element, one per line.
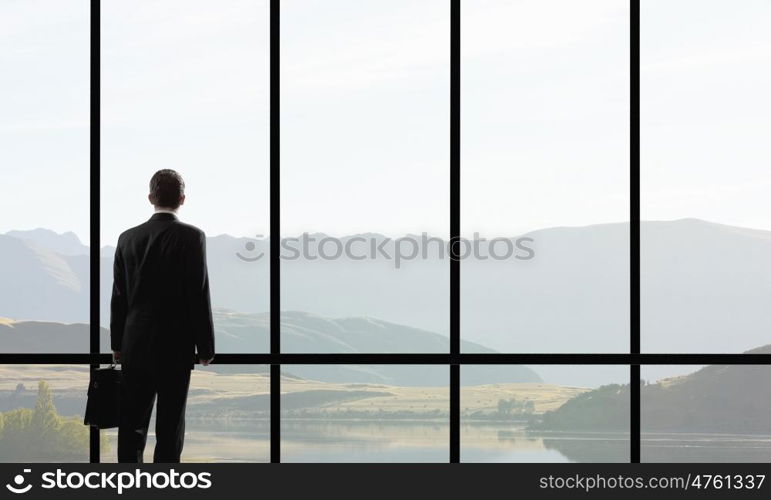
<point x="160" y="315"/>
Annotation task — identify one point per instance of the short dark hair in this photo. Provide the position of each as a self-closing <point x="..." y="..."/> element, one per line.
<point x="166" y="187"/>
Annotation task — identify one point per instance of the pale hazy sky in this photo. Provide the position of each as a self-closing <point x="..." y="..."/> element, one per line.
<point x="706" y="112"/>
<point x="365" y="113"/>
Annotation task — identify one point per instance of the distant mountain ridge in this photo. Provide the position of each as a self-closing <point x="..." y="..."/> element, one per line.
<point x="62" y="243"/>
<point x="705" y="288"/>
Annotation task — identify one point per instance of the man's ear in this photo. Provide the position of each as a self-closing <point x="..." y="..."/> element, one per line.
<point x="181" y="200"/>
<point x="150" y="199"/>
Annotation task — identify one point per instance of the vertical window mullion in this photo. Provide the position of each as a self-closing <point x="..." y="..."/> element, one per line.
<point x="275" y="236"/>
<point x="94" y="207"/>
<point x="634" y="209"/>
<point x="455" y="190"/>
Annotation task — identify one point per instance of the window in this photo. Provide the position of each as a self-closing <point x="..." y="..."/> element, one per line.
<point x="718" y="413"/>
<point x="44" y="147"/>
<point x="364" y="413"/>
<point x="341" y="121"/>
<point x="705" y="181"/>
<point x="227" y="417"/>
<point x="704" y="201"/>
<point x="41" y="414"/>
<point x="364" y="154"/>
<point x="177" y="92"/>
<point x="545" y="175"/>
<point x="510" y="414"/>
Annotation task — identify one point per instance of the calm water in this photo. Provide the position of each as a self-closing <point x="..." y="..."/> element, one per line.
<point x="313" y="441"/>
<point x="512" y="443"/>
<point x="687" y="447"/>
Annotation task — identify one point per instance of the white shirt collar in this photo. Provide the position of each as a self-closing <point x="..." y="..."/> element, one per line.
<point x="164" y="211"/>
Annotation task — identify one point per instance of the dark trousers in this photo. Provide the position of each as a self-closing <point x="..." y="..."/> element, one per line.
<point x="140" y="386"/>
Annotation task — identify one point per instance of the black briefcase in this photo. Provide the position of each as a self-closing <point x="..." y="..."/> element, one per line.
<point x="103" y="407"/>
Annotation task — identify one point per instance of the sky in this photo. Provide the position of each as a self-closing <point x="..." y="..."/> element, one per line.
<point x="706" y="114"/>
<point x="365" y="113"/>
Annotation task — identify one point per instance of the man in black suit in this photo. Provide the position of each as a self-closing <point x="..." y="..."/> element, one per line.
<point x="160" y="316"/>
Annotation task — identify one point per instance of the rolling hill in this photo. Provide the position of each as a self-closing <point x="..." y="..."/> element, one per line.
<point x="240" y="332"/>
<point x="713" y="399"/>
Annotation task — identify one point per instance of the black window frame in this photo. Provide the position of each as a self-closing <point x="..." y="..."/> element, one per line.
<point x="454" y="359"/>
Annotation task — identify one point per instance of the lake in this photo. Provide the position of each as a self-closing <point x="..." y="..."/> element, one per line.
<point x="363" y="441"/>
<point x="700" y="447"/>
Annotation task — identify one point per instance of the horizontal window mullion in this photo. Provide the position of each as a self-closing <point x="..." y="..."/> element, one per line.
<point x="424" y="359"/>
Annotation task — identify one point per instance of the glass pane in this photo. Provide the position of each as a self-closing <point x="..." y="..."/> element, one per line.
<point x="185" y="86"/>
<point x="44" y="153"/>
<point x="227" y="417"/>
<point x="372" y="413"/>
<point x="545" y="159"/>
<point x="365" y="162"/>
<point x="706" y="117"/>
<point x="711" y="414"/>
<point x="513" y="414"/>
<point x="41" y="413"/>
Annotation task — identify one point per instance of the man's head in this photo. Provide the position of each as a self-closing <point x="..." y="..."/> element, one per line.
<point x="167" y="189"/>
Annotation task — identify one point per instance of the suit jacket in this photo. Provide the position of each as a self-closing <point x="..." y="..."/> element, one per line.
<point x="161" y="311"/>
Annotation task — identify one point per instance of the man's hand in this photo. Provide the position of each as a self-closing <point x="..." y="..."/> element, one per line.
<point x="206" y="362"/>
<point x="116" y="356"/>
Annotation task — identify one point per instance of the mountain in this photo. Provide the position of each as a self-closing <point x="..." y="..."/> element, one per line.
<point x="64" y="244"/>
<point x="43" y="336"/>
<point x="311" y="333"/>
<point x="714" y="399"/>
<point x="302" y="332"/>
<point x="605" y="409"/>
<point x="39" y="284"/>
<point x="704" y="289"/>
<point x="718" y="398"/>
